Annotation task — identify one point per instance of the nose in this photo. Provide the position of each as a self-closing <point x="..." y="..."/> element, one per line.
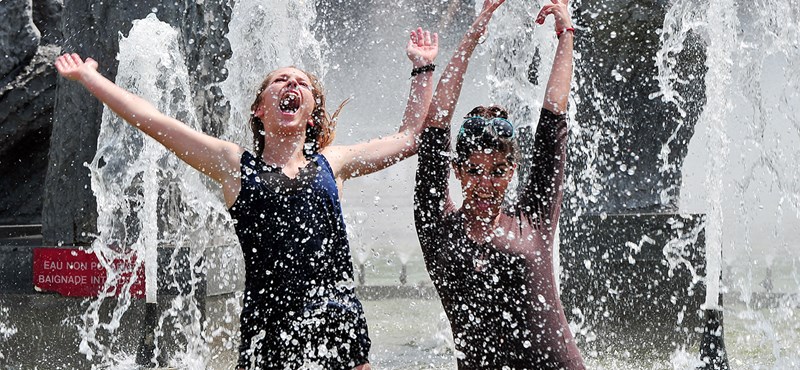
<point x="485" y="182"/>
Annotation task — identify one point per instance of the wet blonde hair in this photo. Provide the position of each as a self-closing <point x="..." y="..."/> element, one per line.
<point x="318" y="136"/>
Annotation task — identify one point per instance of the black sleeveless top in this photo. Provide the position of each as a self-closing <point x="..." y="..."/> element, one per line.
<point x="299" y="301"/>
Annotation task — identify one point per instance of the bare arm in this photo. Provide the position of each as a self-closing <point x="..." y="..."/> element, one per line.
<point x="213" y="157"/>
<point x="558" y="85"/>
<point x="367" y="157"/>
<point x="449" y="88"/>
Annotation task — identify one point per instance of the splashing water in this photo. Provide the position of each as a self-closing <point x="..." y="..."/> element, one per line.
<point x="6" y="329"/>
<point x="522" y="61"/>
<point x="148" y="198"/>
<point x="740" y="169"/>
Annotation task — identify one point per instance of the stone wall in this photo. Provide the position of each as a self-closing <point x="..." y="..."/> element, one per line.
<point x="29" y="35"/>
<point x="45" y="138"/>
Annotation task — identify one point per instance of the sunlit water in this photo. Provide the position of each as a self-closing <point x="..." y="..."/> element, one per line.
<point x="741" y="168"/>
<point x="147" y="198"/>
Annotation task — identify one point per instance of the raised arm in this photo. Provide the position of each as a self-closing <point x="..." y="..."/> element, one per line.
<point x="449" y="88"/>
<point x="216" y="158"/>
<point x="431" y="195"/>
<point x="541" y="193"/>
<point x="367" y="157"/>
<point x="558" y="85"/>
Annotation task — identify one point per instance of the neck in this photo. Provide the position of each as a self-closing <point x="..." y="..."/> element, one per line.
<point x="479" y="229"/>
<point x="284" y="152"/>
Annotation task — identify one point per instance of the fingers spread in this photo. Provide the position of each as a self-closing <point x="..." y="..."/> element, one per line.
<point x="435" y="40"/>
<point x="427" y="38"/>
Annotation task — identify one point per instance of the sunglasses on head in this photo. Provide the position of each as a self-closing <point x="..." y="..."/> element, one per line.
<point x="476" y="126"/>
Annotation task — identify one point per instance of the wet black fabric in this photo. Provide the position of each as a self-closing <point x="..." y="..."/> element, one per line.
<point x="500" y="296"/>
<point x="300" y="307"/>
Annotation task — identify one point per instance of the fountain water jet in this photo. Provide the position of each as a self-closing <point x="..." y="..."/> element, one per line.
<point x="740" y="170"/>
<point x="148" y="199"/>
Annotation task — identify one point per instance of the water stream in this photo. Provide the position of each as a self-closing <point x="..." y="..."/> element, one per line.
<point x="149" y="200"/>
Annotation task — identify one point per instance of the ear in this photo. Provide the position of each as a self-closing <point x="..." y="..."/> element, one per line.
<point x="513" y="170"/>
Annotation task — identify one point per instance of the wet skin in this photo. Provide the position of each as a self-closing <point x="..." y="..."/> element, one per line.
<point x="484" y="180"/>
<point x="292" y="87"/>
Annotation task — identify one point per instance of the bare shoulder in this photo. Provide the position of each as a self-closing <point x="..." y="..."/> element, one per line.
<point x="336" y="155"/>
<point x="233" y="153"/>
<point x="231" y="176"/>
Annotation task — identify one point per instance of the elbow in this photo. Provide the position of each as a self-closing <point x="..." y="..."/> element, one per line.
<point x="413" y="147"/>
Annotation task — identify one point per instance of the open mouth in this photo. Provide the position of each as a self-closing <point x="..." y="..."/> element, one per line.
<point x="484" y="196"/>
<point x="290" y="102"/>
<point x="485" y="201"/>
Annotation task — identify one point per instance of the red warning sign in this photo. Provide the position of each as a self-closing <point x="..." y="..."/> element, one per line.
<point x="77" y="273"/>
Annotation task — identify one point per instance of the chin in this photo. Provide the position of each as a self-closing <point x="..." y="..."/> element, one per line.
<point x="489" y="213"/>
<point x="289" y="123"/>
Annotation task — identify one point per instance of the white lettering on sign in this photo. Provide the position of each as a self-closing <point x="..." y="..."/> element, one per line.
<point x="78" y="266"/>
<point x="53" y="265"/>
<point x="61" y="279"/>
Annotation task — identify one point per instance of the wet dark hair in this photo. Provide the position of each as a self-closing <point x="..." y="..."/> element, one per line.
<point x="466" y="145"/>
<point x="318" y="136"/>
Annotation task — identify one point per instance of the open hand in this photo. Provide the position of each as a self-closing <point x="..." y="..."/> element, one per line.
<point x="422" y="47"/>
<point x="480" y="25"/>
<point x="559" y="10"/>
<point x="72" y="67"/>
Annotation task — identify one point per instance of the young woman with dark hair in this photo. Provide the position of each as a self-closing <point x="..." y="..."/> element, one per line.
<point x="493" y="266"/>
